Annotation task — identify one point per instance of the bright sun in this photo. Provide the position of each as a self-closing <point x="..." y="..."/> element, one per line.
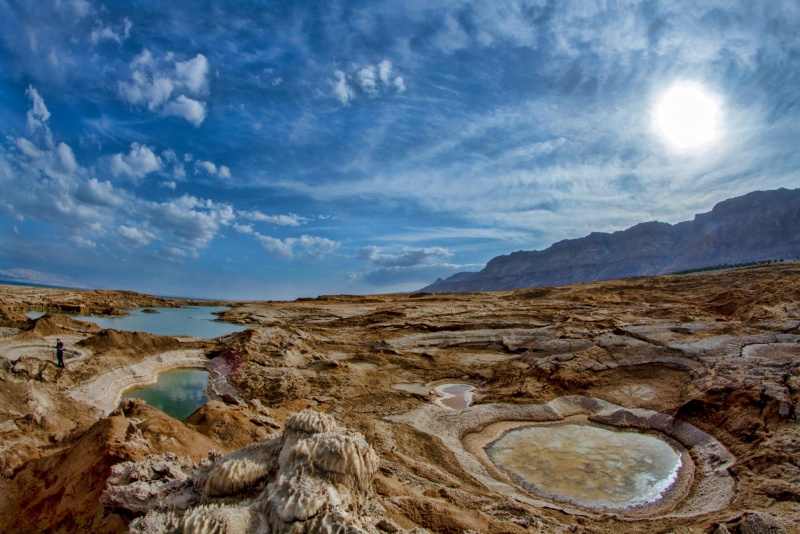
<point x="686" y="116"/>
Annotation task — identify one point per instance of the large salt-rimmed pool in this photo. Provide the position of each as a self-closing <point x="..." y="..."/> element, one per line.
<point x="587" y="465"/>
<point x="197" y="321"/>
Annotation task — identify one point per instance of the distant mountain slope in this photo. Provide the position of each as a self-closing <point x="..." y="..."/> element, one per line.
<point x="757" y="226"/>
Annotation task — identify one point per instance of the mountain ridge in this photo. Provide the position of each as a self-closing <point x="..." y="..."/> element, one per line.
<point x="757" y="226"/>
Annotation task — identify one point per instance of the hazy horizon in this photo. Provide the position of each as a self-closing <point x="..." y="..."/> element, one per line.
<point x="257" y="152"/>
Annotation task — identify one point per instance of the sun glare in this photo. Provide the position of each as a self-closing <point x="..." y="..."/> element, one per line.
<point x="686" y="116"/>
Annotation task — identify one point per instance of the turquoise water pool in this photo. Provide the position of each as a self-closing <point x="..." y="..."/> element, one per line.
<point x="198" y="321"/>
<point x="176" y="393"/>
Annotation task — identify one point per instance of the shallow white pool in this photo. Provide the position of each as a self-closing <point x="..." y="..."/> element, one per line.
<point x="587" y="465"/>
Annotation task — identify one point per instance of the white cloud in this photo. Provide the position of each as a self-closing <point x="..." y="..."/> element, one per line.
<point x="169" y="87"/>
<point x="367" y="80"/>
<point x="276" y="247"/>
<point x="192" y="74"/>
<point x="29" y="149"/>
<point x="42" y="180"/>
<point x="168" y="185"/>
<point x="135" y="237"/>
<point x="407" y="258"/>
<point x="97" y="193"/>
<point x="67" y="157"/>
<point x="243" y="228"/>
<point x="176" y="255"/>
<point x="38" y="112"/>
<point x="385" y="71"/>
<point x="193" y="222"/>
<point x="192" y="110"/>
<point x="209" y="167"/>
<point x="452" y="37"/>
<point x="222" y="171"/>
<point x="144" y="59"/>
<point x="152" y="93"/>
<point x="283" y="220"/>
<point x="341" y="89"/>
<point x="82" y="242"/>
<point x="38" y="115"/>
<point x="137" y="163"/>
<point x="178" y="171"/>
<point x="317" y="247"/>
<point x="306" y="245"/>
<point x="408" y="269"/>
<point x="107" y="33"/>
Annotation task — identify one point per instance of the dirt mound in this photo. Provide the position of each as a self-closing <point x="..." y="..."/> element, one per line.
<point x="57" y="325"/>
<point x="45" y="326"/>
<point x="64" y="487"/>
<point x="228" y="424"/>
<point x="129" y="343"/>
<point x="12" y="319"/>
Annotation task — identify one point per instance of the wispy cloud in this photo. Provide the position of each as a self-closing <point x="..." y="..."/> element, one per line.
<point x="306" y="246"/>
<point x="407" y="268"/>
<point x="406" y="258"/>
<point x="289" y="219"/>
<point x="118" y="33"/>
<point x="37" y="277"/>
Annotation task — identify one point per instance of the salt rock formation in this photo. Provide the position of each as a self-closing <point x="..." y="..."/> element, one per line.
<point x="313" y="477"/>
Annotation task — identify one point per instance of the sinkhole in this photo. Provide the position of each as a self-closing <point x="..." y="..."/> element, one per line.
<point x="588" y="466"/>
<point x="176" y="393"/>
<point x="454" y="396"/>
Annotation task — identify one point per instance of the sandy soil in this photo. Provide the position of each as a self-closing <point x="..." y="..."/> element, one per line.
<point x="715" y="352"/>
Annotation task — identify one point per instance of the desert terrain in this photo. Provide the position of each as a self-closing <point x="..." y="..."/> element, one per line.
<point x="710" y="360"/>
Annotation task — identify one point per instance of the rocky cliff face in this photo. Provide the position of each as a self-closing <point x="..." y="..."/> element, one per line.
<point x="758" y="226"/>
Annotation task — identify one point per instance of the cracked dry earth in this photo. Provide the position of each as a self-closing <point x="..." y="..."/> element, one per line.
<point x="710" y="360"/>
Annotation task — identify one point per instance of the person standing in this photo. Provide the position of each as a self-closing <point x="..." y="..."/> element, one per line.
<point x="60" y="352"/>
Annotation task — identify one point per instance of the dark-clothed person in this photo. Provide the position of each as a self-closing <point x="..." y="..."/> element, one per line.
<point x="60" y="352"/>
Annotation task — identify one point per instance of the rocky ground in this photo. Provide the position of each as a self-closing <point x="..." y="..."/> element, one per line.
<point x="718" y="354"/>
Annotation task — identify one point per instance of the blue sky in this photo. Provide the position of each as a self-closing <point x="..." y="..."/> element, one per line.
<point x="274" y="150"/>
